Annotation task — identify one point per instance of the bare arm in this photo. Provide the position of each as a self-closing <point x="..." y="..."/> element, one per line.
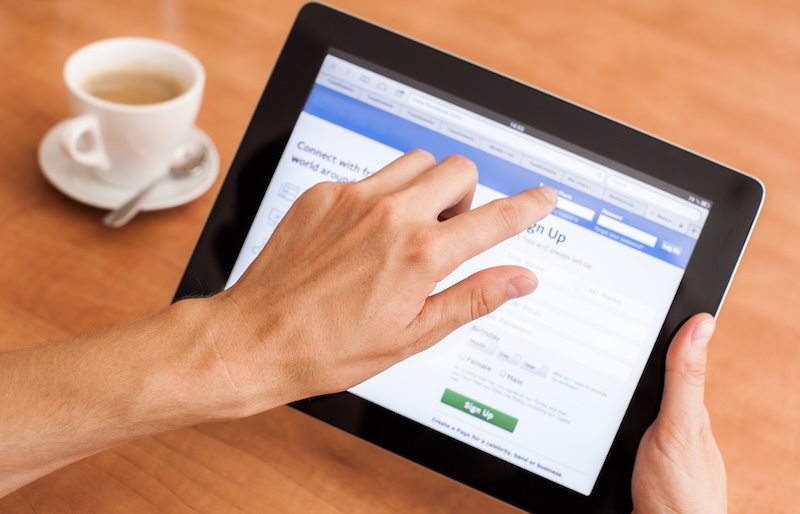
<point x="63" y="401"/>
<point x="341" y="292"/>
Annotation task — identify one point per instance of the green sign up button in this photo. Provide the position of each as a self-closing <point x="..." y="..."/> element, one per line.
<point x="479" y="410"/>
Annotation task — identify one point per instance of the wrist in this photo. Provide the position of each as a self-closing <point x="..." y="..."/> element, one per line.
<point x="64" y="401"/>
<point x="195" y="368"/>
<point x="234" y="369"/>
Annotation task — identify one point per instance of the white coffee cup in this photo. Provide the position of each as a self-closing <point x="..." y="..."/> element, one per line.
<point x="129" y="144"/>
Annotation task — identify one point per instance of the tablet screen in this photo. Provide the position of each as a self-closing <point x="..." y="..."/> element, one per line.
<point x="544" y="382"/>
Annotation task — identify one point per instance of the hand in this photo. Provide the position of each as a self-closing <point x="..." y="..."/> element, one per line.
<point x="342" y="290"/>
<point x="679" y="467"/>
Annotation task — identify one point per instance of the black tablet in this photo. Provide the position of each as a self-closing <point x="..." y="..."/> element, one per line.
<point x="542" y="403"/>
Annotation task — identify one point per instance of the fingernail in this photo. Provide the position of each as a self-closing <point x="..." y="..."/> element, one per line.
<point x="702" y="332"/>
<point x="519" y="286"/>
<point x="549" y="193"/>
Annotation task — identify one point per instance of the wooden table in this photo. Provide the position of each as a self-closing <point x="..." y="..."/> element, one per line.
<point x="718" y="77"/>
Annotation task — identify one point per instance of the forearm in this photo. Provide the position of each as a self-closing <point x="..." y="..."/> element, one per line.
<point x="63" y="401"/>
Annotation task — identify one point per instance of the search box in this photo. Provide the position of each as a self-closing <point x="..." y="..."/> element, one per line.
<point x="627" y="230"/>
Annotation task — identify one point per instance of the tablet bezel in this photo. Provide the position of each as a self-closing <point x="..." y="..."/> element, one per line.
<point x="736" y="202"/>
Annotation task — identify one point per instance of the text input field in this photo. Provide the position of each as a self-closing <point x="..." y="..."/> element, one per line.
<point x="627" y="230"/>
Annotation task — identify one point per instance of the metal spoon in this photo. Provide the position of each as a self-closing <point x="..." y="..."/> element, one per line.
<point x="189" y="163"/>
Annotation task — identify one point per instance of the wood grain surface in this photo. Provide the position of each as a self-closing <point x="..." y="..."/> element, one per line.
<point x="720" y="77"/>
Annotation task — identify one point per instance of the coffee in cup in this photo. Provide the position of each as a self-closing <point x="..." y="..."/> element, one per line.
<point x="134" y="102"/>
<point x="134" y="85"/>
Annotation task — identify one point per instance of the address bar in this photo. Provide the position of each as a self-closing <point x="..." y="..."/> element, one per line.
<point x="537" y="149"/>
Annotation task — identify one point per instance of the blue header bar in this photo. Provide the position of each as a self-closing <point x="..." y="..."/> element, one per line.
<point x="576" y="206"/>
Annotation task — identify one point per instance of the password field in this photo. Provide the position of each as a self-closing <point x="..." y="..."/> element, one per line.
<point x="627" y="230"/>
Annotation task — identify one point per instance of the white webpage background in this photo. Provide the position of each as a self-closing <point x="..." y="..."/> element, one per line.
<point x="564" y="361"/>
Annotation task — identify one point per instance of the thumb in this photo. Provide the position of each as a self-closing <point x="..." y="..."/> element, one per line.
<point x="684" y="382"/>
<point x="471" y="298"/>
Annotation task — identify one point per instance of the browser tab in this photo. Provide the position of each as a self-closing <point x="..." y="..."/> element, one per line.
<point x="420" y="118"/>
<point x="338" y="85"/>
<point x="625" y="202"/>
<point x="582" y="184"/>
<point x="460" y="134"/>
<point x="500" y="151"/>
<point x="542" y="168"/>
<point x="379" y="102"/>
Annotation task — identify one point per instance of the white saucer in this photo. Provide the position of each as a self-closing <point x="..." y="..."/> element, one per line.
<point x="80" y="183"/>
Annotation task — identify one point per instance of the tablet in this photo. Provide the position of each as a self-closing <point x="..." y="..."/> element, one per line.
<point x="542" y="403"/>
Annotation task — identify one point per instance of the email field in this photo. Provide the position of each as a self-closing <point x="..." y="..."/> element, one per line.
<point x="570" y="327"/>
<point x="576" y="209"/>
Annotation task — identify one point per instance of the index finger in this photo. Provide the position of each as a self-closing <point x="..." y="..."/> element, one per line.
<point x="475" y="231"/>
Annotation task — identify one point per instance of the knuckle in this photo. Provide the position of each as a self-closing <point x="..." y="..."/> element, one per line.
<point x="694" y="375"/>
<point x="481" y="304"/>
<point x="321" y="193"/>
<point x="347" y="196"/>
<point x="352" y="192"/>
<point x="326" y="188"/>
<point x="506" y="214"/>
<point x="461" y="162"/>
<point x="422" y="155"/>
<point x="423" y="248"/>
<point x="388" y="208"/>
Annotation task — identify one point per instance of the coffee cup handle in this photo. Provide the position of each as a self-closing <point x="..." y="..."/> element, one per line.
<point x="81" y="142"/>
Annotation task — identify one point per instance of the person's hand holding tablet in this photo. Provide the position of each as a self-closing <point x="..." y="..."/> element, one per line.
<point x="679" y="467"/>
